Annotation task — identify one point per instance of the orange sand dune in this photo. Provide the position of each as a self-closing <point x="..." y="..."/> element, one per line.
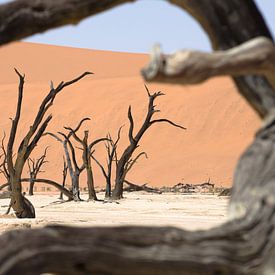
<point x="219" y="123"/>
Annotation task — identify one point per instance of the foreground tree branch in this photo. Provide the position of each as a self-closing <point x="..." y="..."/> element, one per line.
<point x="163" y="250"/>
<point x="257" y="56"/>
<point x="23" y="18"/>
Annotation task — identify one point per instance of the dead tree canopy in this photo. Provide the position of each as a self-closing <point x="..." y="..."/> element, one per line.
<point x="87" y="147"/>
<point x="111" y="148"/>
<point x="34" y="168"/>
<point x="126" y="161"/>
<point x="15" y="164"/>
<point x="75" y="169"/>
<point x="244" y="245"/>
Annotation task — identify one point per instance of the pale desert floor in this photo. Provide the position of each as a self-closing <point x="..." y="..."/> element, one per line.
<point x="184" y="211"/>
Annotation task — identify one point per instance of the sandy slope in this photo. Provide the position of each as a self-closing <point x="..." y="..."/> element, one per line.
<point x="184" y="211"/>
<point x="220" y="124"/>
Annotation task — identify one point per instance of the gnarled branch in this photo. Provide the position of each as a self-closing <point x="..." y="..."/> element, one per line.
<point x="256" y="56"/>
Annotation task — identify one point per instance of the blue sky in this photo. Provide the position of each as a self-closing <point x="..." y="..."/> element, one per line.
<point x="136" y="27"/>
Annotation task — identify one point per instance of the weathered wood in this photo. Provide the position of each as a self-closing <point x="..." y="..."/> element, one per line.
<point x="229" y="23"/>
<point x="229" y="249"/>
<point x="23" y="18"/>
<point x="132" y="187"/>
<point x="257" y="56"/>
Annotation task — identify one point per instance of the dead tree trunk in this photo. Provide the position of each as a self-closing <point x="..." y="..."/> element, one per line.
<point x="134" y="187"/>
<point x="111" y="147"/>
<point x="3" y="165"/>
<point x="35" y="166"/>
<point x="245" y="245"/>
<point x="74" y="169"/>
<point x="64" y="174"/>
<point x="125" y="162"/>
<point x="21" y="206"/>
<point x="86" y="157"/>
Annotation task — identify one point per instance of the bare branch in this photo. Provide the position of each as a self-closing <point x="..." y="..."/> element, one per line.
<point x="147" y="90"/>
<point x="53" y="183"/>
<point x="131" y="128"/>
<point x="92" y="144"/>
<point x="257" y="56"/>
<point x="131" y="163"/>
<point x="100" y="166"/>
<point x="73" y="131"/>
<point x="167" y="121"/>
<point x="38" y="135"/>
<point x="54" y="136"/>
<point x="72" y="151"/>
<point x="15" y="121"/>
<point x="4" y="185"/>
<point x="47" y="102"/>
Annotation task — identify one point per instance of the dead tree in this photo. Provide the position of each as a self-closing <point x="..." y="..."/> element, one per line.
<point x="86" y="158"/>
<point x="22" y="207"/>
<point x="3" y="164"/>
<point x="69" y="150"/>
<point x="53" y="183"/>
<point x="34" y="168"/>
<point x="132" y="187"/>
<point x="64" y="174"/>
<point x="111" y="147"/>
<point x="125" y="162"/>
<point x="244" y="245"/>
